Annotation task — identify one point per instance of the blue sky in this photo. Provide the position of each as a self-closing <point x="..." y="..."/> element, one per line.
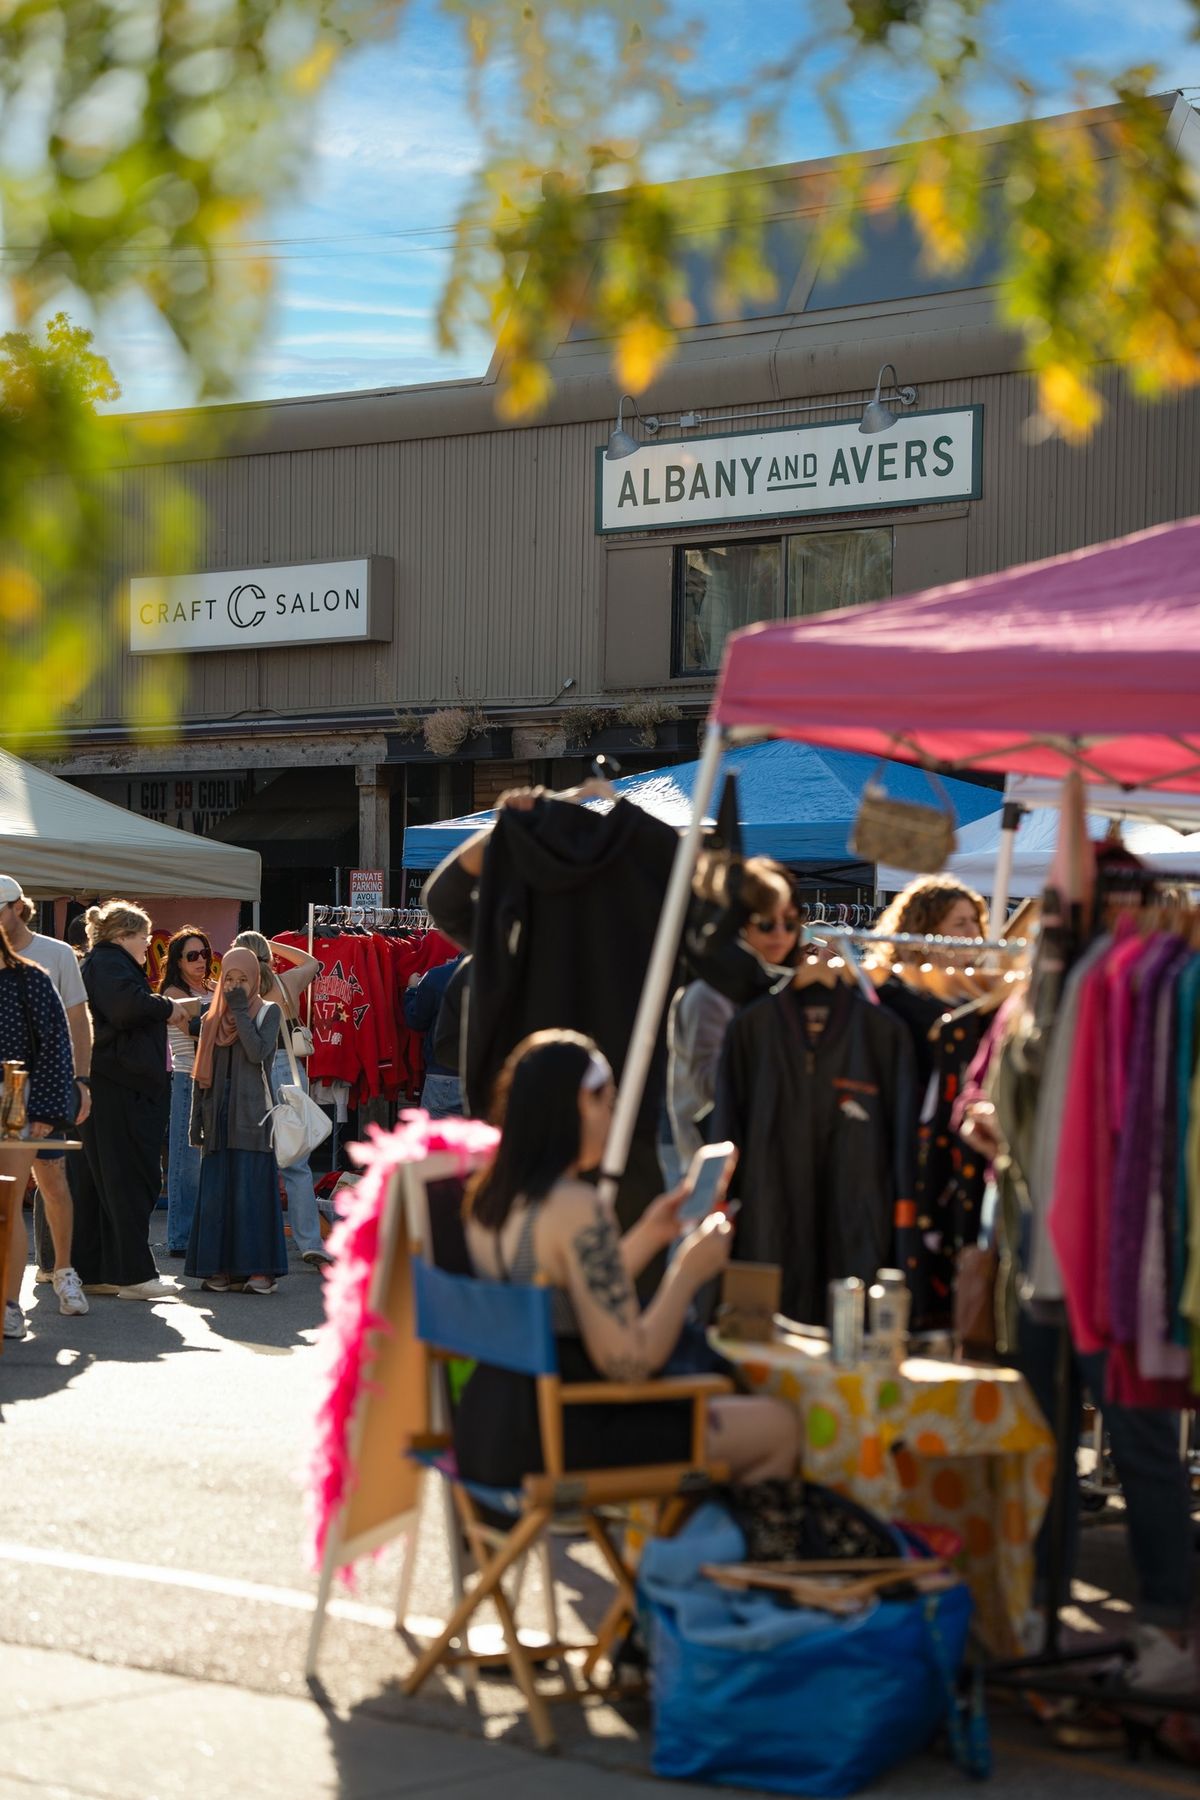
<point x="394" y="149"/>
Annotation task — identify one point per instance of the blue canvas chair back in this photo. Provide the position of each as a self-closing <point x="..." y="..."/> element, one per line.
<point x="493" y="1322"/>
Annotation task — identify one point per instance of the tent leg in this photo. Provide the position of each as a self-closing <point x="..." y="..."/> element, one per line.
<point x="1010" y="818"/>
<point x="659" y="970"/>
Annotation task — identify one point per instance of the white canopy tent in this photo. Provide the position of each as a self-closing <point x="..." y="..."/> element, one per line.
<point x="1155" y="805"/>
<point x="974" y="862"/>
<point x="57" y="840"/>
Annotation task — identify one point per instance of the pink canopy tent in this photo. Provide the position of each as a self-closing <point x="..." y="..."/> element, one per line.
<point x="1088" y="661"/>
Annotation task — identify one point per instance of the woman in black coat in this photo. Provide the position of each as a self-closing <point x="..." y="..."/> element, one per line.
<point x="118" y="1178"/>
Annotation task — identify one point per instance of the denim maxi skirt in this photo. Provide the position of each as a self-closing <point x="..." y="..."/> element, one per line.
<point x="238" y="1227"/>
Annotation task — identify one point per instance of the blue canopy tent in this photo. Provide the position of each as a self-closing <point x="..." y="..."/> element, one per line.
<point x="797" y="803"/>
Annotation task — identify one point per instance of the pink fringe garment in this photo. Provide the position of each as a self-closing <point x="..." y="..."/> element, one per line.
<point x="343" y="1340"/>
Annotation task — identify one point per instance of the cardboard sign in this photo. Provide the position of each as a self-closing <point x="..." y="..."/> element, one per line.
<point x="750" y="1295"/>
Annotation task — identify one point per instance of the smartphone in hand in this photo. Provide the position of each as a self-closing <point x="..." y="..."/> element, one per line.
<point x="706" y="1176"/>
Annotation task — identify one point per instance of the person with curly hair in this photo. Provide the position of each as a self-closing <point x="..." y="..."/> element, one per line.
<point x="948" y="1193"/>
<point x="930" y="906"/>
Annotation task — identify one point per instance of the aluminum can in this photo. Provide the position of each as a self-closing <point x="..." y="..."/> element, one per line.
<point x="889" y="1308"/>
<point x="847" y="1317"/>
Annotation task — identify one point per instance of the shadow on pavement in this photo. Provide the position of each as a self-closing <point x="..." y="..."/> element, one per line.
<point x="610" y="1733"/>
<point x="259" y="1321"/>
<point x="58" y="1350"/>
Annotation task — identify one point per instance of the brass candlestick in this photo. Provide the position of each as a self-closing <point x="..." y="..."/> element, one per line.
<point x="14" y="1101"/>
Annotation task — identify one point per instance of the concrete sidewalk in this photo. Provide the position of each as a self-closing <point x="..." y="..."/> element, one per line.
<point x="75" y="1729"/>
<point x="72" y="1729"/>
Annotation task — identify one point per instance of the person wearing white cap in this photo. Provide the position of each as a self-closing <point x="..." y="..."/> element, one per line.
<point x="50" y="1169"/>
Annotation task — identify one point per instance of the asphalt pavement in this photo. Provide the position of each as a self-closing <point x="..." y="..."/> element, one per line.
<point x="155" y="1593"/>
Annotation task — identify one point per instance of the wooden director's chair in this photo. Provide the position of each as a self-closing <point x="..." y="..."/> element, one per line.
<point x="510" y="1327"/>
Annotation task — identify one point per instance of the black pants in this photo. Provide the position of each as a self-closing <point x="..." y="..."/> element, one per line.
<point x="43" y="1237"/>
<point x="116" y="1183"/>
<point x="1154" y="1481"/>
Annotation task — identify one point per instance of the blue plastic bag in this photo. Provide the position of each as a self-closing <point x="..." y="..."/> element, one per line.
<point x="752" y="1692"/>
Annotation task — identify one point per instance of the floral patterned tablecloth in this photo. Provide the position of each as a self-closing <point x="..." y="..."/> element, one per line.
<point x="934" y="1443"/>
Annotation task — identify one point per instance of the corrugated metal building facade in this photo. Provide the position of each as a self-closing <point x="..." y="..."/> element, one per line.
<point x="509" y="600"/>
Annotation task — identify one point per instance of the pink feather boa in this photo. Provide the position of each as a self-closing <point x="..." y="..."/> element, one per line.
<point x="343" y="1340"/>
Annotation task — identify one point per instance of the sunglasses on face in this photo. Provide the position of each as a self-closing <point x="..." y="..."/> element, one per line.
<point x="195" y="956"/>
<point x="769" y="922"/>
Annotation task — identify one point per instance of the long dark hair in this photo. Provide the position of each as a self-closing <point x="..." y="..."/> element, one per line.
<point x="173" y="975"/>
<point x="8" y="956"/>
<point x="536" y="1106"/>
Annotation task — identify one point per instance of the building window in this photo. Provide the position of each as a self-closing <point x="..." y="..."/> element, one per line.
<point x="829" y="569"/>
<point x="721" y="587"/>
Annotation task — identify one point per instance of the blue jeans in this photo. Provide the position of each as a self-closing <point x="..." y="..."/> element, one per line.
<point x="183" y="1165"/>
<point x="1145" y="1451"/>
<point x="442" y="1096"/>
<point x="303" y="1213"/>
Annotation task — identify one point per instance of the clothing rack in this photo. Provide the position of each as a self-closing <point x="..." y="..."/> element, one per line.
<point x="912" y="940"/>
<point x="850" y="940"/>
<point x="1050" y="1671"/>
<point x="854" y="915"/>
<point x="364" y="918"/>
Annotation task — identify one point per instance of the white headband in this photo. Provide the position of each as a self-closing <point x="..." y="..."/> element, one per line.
<point x="597" y="1075"/>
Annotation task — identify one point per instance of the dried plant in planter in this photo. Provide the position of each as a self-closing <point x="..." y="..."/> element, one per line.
<point x="583" y="723"/>
<point x="644" y="716"/>
<point x="448" y="729"/>
<point x="408" y="725"/>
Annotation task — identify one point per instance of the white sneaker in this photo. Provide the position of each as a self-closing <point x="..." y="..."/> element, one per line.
<point x="149" y="1290"/>
<point x="1161" y="1665"/>
<point x="14" y="1320"/>
<point x="69" y="1289"/>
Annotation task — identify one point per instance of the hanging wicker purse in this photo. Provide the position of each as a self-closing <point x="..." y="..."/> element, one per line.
<point x="903" y="832"/>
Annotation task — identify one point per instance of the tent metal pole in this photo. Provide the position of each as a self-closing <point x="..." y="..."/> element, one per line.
<point x="659" y="970"/>
<point x="1010" y="818"/>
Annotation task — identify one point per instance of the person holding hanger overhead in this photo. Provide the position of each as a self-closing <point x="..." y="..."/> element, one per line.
<point x="284" y="989"/>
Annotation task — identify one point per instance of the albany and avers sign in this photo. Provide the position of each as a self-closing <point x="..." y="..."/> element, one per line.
<point x="261" y="609"/>
<point x="923" y="459"/>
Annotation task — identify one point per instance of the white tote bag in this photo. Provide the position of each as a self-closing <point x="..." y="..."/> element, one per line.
<point x="298" y="1124"/>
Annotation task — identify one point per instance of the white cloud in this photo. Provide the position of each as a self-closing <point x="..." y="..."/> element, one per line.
<point x="388" y="340"/>
<point x="384" y="141"/>
<point x="369" y="309"/>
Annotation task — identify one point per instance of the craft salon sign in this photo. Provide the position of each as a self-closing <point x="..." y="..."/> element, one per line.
<point x="924" y="458"/>
<point x="262" y="609"/>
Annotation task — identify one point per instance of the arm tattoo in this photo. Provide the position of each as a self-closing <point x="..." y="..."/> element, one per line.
<point x="598" y="1249"/>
